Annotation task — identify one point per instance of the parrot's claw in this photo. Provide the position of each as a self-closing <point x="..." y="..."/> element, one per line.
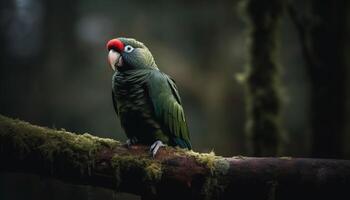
<point x="128" y="143"/>
<point x="131" y="141"/>
<point x="155" y="147"/>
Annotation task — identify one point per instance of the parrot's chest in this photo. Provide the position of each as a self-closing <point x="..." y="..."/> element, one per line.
<point x="130" y="94"/>
<point x="134" y="106"/>
<point x="132" y="99"/>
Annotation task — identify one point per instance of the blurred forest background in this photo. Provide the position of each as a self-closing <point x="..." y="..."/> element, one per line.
<point x="257" y="78"/>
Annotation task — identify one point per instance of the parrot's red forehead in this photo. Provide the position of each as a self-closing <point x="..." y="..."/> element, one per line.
<point x="115" y="44"/>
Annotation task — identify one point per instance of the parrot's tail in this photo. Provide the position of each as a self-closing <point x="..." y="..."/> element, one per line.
<point x="182" y="143"/>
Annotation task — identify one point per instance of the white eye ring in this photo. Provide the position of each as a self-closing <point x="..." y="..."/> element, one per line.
<point x="128" y="49"/>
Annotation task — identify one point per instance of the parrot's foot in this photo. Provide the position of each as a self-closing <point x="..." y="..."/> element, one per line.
<point x="131" y="141"/>
<point x="155" y="146"/>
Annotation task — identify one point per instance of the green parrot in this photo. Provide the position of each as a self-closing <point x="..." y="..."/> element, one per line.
<point x="146" y="100"/>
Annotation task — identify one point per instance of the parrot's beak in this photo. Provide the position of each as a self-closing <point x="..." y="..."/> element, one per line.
<point x="114" y="59"/>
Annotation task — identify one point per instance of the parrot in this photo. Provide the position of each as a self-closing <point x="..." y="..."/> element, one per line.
<point x="145" y="99"/>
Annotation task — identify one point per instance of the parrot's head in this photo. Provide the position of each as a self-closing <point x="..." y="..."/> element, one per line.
<point x="128" y="53"/>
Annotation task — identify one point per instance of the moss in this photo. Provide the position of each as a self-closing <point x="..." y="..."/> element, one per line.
<point x="218" y="167"/>
<point x="214" y="184"/>
<point x="154" y="171"/>
<point x="215" y="164"/>
<point x="209" y="188"/>
<point x="240" y="157"/>
<point x="79" y="150"/>
<point x="151" y="170"/>
<point x="222" y="166"/>
<point x="285" y="158"/>
<point x="206" y="159"/>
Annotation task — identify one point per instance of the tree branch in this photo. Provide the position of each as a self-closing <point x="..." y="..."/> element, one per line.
<point x="173" y="174"/>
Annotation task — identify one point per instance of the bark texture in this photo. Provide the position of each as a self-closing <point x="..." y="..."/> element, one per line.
<point x="173" y="174"/>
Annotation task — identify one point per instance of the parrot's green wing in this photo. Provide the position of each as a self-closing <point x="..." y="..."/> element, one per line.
<point x="115" y="105"/>
<point x="168" y="110"/>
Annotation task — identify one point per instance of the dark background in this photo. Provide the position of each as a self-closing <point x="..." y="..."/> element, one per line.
<point x="54" y="73"/>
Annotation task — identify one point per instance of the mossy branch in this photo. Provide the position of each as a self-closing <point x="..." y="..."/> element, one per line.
<point x="173" y="174"/>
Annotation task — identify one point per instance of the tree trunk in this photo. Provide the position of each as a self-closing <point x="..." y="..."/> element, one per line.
<point x="173" y="174"/>
<point x="322" y="34"/>
<point x="263" y="99"/>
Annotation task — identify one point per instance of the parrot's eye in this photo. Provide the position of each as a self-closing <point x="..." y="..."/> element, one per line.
<point x="128" y="49"/>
